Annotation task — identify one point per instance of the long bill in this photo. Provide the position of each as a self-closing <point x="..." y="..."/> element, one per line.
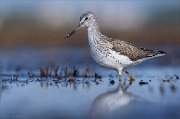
<point x="74" y="31"/>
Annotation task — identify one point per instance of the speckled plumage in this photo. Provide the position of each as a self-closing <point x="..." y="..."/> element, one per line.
<point x="112" y="53"/>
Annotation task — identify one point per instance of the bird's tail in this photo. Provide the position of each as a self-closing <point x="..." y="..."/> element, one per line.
<point x="159" y="53"/>
<point x="155" y="54"/>
<point x="152" y="53"/>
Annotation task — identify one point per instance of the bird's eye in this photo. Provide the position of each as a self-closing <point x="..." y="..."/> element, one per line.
<point x="86" y="18"/>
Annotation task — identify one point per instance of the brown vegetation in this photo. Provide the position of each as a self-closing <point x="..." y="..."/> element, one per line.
<point x="44" y="37"/>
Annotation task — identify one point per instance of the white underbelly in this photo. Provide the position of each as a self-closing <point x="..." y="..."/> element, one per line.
<point x="110" y="58"/>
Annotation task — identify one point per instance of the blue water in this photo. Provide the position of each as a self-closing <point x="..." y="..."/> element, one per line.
<point x="24" y="97"/>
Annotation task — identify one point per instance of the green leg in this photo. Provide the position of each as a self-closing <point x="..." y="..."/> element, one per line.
<point x="120" y="82"/>
<point x="120" y="78"/>
<point x="119" y="73"/>
<point x="130" y="76"/>
<point x="132" y="79"/>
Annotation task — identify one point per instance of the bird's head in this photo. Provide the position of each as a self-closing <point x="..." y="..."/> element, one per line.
<point x="86" y="20"/>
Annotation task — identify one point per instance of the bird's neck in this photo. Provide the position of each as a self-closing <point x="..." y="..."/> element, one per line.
<point x="93" y="31"/>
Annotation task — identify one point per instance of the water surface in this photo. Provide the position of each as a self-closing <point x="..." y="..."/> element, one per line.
<point x="156" y="91"/>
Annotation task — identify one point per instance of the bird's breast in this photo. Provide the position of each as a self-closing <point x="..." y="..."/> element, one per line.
<point x="98" y="48"/>
<point x="100" y="52"/>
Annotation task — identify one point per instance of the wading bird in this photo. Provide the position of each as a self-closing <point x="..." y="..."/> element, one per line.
<point x="112" y="53"/>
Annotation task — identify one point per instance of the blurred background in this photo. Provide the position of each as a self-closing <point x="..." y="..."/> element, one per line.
<point x="45" y="23"/>
<point x="42" y="75"/>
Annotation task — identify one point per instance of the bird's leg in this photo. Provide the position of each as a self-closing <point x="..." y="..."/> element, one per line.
<point x="120" y="81"/>
<point x="119" y="73"/>
<point x="132" y="79"/>
<point x="120" y="78"/>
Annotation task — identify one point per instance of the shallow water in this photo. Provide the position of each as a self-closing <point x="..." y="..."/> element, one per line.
<point x="156" y="91"/>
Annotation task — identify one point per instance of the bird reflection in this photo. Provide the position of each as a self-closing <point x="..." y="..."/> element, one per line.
<point x="111" y="101"/>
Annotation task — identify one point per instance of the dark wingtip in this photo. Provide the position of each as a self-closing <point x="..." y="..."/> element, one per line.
<point x="161" y="52"/>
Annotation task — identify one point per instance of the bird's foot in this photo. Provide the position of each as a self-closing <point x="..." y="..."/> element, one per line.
<point x="132" y="79"/>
